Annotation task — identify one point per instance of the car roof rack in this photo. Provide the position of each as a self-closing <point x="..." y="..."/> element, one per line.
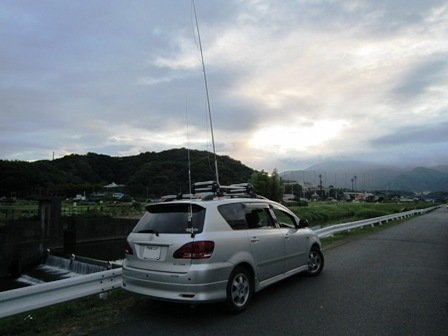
<point x="210" y="189"/>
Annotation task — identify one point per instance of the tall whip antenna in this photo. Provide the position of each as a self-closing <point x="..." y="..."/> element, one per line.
<point x="190" y="208"/>
<point x="206" y="92"/>
<point x="188" y="148"/>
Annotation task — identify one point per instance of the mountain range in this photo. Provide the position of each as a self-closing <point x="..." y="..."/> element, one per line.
<point x="358" y="175"/>
<point x="158" y="173"/>
<point x="149" y="174"/>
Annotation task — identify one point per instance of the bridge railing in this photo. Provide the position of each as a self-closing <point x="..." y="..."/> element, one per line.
<point x="28" y="298"/>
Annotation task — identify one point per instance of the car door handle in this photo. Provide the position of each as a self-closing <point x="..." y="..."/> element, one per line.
<point x="254" y="240"/>
<point x="287" y="236"/>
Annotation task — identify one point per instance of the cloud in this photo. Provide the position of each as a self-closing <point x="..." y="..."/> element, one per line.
<point x="290" y="82"/>
<point x="423" y="77"/>
<point x="425" y="134"/>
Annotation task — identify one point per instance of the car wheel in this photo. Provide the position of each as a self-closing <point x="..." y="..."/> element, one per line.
<point x="315" y="261"/>
<point x="239" y="290"/>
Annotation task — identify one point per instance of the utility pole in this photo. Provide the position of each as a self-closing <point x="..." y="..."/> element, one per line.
<point x="320" y="185"/>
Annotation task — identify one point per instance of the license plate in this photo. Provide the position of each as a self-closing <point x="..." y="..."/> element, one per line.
<point x="152" y="252"/>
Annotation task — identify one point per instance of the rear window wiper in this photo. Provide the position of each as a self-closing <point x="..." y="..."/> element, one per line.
<point x="149" y="231"/>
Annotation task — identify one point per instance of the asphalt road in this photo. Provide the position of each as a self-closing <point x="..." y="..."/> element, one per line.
<point x="390" y="283"/>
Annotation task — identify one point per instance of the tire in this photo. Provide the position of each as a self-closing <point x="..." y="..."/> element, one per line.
<point x="315" y="261"/>
<point x="239" y="290"/>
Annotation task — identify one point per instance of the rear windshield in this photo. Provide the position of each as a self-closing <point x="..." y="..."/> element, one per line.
<point x="171" y="218"/>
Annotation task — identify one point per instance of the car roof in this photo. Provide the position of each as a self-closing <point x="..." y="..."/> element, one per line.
<point x="217" y="201"/>
<point x="211" y="194"/>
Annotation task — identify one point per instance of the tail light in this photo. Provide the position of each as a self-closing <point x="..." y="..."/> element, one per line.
<point x="195" y="250"/>
<point x="128" y="249"/>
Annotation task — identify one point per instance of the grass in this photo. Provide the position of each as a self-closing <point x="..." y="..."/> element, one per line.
<point x="78" y="317"/>
<point x="110" y="209"/>
<point x="317" y="213"/>
<point x="22" y="210"/>
<point x="17" y="210"/>
<point x="323" y="214"/>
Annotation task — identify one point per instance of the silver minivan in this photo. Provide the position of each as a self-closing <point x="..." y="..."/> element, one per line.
<point x="219" y="249"/>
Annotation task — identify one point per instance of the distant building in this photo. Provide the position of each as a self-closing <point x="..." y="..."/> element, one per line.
<point x="113" y="185"/>
<point x="79" y="197"/>
<point x="118" y="195"/>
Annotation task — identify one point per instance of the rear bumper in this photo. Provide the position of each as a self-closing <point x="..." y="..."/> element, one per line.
<point x="200" y="284"/>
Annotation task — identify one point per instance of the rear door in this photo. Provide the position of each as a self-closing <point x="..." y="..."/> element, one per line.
<point x="163" y="229"/>
<point x="296" y="240"/>
<point x="266" y="240"/>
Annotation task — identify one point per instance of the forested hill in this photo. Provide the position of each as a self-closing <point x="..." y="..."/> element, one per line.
<point x="147" y="174"/>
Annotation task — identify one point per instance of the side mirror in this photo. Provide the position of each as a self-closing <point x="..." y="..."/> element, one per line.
<point x="304" y="223"/>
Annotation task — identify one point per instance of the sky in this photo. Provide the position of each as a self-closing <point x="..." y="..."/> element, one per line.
<point x="291" y="83"/>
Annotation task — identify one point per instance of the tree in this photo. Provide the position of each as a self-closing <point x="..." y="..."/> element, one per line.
<point x="293" y="188"/>
<point x="266" y="185"/>
<point x="147" y="174"/>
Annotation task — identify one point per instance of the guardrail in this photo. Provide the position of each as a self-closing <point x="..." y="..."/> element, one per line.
<point x="28" y="298"/>
<point x="347" y="227"/>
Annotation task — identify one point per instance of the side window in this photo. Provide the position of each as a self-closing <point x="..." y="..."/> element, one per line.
<point x="242" y="217"/>
<point x="234" y="215"/>
<point x="258" y="218"/>
<point x="284" y="219"/>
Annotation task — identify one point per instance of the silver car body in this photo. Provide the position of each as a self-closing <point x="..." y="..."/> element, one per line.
<point x="271" y="252"/>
